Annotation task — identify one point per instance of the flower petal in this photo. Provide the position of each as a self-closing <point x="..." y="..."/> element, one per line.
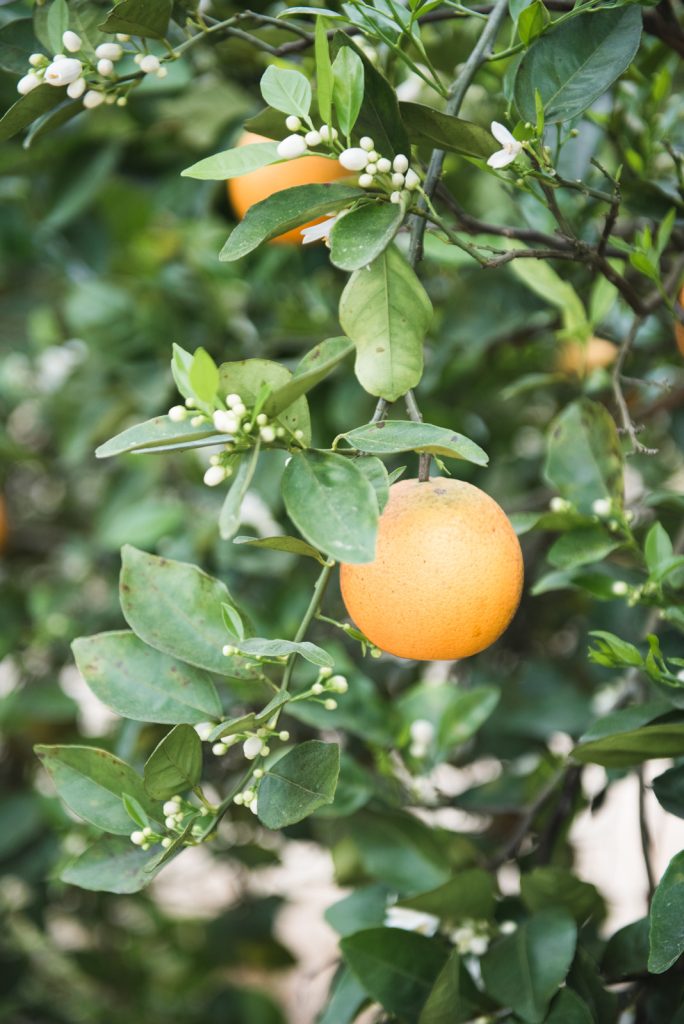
<point x="501" y="158"/>
<point x="501" y="133"/>
<point x="316" y="232"/>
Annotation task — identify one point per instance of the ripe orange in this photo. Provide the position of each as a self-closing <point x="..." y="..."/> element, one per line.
<point x="679" y="326"/>
<point x="447" y="575"/>
<point x="574" y="357"/>
<point x="251" y="188"/>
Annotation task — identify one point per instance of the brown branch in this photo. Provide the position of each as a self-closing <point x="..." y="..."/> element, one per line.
<point x="628" y="426"/>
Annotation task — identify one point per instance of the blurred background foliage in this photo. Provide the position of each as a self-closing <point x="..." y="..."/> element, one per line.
<point x="107" y="256"/>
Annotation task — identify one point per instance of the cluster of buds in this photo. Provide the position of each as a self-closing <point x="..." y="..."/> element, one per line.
<point x="326" y="683"/>
<point x="85" y="75"/>
<point x="474" y="937"/>
<point x="176" y="812"/>
<point x="422" y="734"/>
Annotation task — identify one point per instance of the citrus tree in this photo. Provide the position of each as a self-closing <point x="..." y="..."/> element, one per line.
<point x="497" y="187"/>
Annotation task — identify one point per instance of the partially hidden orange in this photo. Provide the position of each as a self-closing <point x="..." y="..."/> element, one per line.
<point x="679" y="322"/>
<point x="447" y="575"/>
<point x="251" y="188"/>
<point x="598" y="353"/>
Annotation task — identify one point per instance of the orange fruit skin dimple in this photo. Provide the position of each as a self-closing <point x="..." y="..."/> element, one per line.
<point x="251" y="188"/>
<point x="447" y="575"/>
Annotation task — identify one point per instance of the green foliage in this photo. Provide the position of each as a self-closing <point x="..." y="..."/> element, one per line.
<point x="298" y="783"/>
<point x="175" y="764"/>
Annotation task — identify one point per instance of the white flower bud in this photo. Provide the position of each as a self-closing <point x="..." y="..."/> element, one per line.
<point x="262" y="419"/>
<point x="138" y="59"/>
<point x="299" y="434"/>
<point x="292" y="123"/>
<point x="252" y="747"/>
<point x="214" y="476"/>
<point x="219" y="749"/>
<point x="602" y="507"/>
<point x="412" y="180"/>
<point x="204" y="729"/>
<point x="28" y="83"/>
<point x="291" y="147"/>
<point x="417" y="750"/>
<point x="338" y="683"/>
<point x="239" y="409"/>
<point x="327" y="134"/>
<point x="233" y="400"/>
<point x="559" y="505"/>
<point x="71" y="42"/>
<point x="247" y="428"/>
<point x="137" y="838"/>
<point x="366" y="143"/>
<point x="162" y="72"/>
<point x="57" y="57"/>
<point x="224" y="421"/>
<point x="258" y="773"/>
<point x="353" y="159"/>
<point x="170" y="821"/>
<point x="316" y="689"/>
<point x="123" y="37"/>
<point x="313" y="139"/>
<point x="76" y="89"/>
<point x="253" y="805"/>
<point x="197" y="421"/>
<point x="619" y="588"/>
<point x="110" y="51"/>
<point x="147" y="831"/>
<point x="283" y="735"/>
<point x="400" y="163"/>
<point x="92" y="99"/>
<point x="479" y="945"/>
<point x="166" y="842"/>
<point x="422" y="731"/>
<point x="37" y="59"/>
<point x="105" y="67"/>
<point x="150" y="64"/>
<point x="508" y="927"/>
<point x="237" y="799"/>
<point x="228" y="650"/>
<point x="170" y="807"/>
<point x="384" y="165"/>
<point x="265" y="751"/>
<point x="177" y="413"/>
<point x="325" y="672"/>
<point x="62" y="72"/>
<point x="330" y="704"/>
<point x="365" y="180"/>
<point x="398" y="180"/>
<point x="395" y="197"/>
<point x="268" y="434"/>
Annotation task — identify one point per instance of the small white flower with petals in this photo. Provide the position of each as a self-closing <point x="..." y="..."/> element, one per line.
<point x="318" y="232"/>
<point x="510" y="147"/>
<point x="109" y="51"/>
<point x="63" y="72"/>
<point x="353" y="159"/>
<point x="291" y="147"/>
<point x="411" y="920"/>
<point x="29" y="82"/>
<point x="71" y="42"/>
<point x="76" y="89"/>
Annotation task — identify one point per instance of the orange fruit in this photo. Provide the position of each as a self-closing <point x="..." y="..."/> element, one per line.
<point x="447" y="575"/>
<point x="251" y="188"/>
<point x="679" y="326"/>
<point x="598" y="353"/>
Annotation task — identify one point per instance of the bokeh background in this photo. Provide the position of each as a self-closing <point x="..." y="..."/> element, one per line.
<point x="107" y="256"/>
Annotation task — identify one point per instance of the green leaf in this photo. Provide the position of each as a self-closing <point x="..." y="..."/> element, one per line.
<point x="397" y="968"/>
<point x="400" y="850"/>
<point x="454" y="998"/>
<point x="204" y="376"/>
<point x="455" y="714"/>
<point x="287" y="91"/>
<point x="574" y="64"/>
<point x="332" y="504"/>
<point x="324" y="80"/>
<point x="176" y="608"/>
<point x="470" y="894"/>
<point x="302" y="780"/>
<point x="293" y="545"/>
<point x="622" y="749"/>
<point x="614" y="651"/>
<point x="17" y="41"/>
<point x="525" y="969"/>
<point x="532" y="22"/>
<point x="581" y="547"/>
<point x="379" y="117"/>
<point x="657" y="548"/>
<point x="443" y="131"/>
<point x="57" y="24"/>
<point x="364" y="907"/>
<point x="283" y="211"/>
<point x="626" y="952"/>
<point x="158" y="435"/>
<point x="141" y="683"/>
<point x="347" y="93"/>
<point x="363" y="234"/>
<point x="175" y="764"/>
<point x="540" y="277"/>
<point x="389" y="437"/>
<point x="233" y="163"/>
<point x="345" y="1000"/>
<point x="584" y="460"/>
<point x="230" y="515"/>
<point x="386" y="312"/>
<point x="260" y="647"/>
<point x="666" y="938"/>
<point x="669" y="790"/>
<point x="113" y="864"/>
<point x="91" y="782"/>
<point x="251" y="378"/>
<point x="557" y="887"/>
<point x="135" y="810"/>
<point x="569" y="1008"/>
<point x="146" y="18"/>
<point x="378" y="477"/>
<point x="313" y="368"/>
<point x="28" y="108"/>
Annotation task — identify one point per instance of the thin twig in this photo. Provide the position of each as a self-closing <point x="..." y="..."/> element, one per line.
<point x="645" y="834"/>
<point x="628" y="426"/>
<point x="380" y="410"/>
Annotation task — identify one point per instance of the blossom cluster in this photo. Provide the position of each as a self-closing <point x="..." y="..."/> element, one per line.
<point x="177" y="814"/>
<point x="83" y="75"/>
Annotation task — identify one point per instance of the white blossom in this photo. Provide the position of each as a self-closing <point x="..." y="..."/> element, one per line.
<point x="398" y="180"/>
<point x="214" y="476"/>
<point x="252" y="747"/>
<point x="327" y="134"/>
<point x="109" y="51"/>
<point x="177" y="413"/>
<point x="225" y="421"/>
<point x="365" y="180"/>
<point x="105" y="66"/>
<point x="318" y="232"/>
<point x="137" y="838"/>
<point x="384" y="165"/>
<point x="395" y="197"/>
<point x="292" y="123"/>
<point x="204" y="729"/>
<point x="510" y="147"/>
<point x="267" y="434"/>
<point x="353" y="159"/>
<point x="93" y="99"/>
<point x="162" y="72"/>
<point x="508" y="927"/>
<point x="400" y="163"/>
<point x="313" y="138"/>
<point x="559" y="504"/>
<point x="123" y="37"/>
<point x="71" y="42"/>
<point x="64" y="71"/>
<point x="149" y="65"/>
<point x="338" y="683"/>
<point x="330" y="704"/>
<point x="76" y="89"/>
<point x="412" y="180"/>
<point x="371" y="168"/>
<point x="411" y="920"/>
<point x="602" y="507"/>
<point x="366" y="143"/>
<point x="171" y="807"/>
<point x="29" y="82"/>
<point x="619" y="588"/>
<point x="291" y="147"/>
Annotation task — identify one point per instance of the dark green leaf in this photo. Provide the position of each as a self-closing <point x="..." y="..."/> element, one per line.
<point x="302" y="780"/>
<point x="389" y="437"/>
<point x="584" y="461"/>
<point x="379" y="116"/>
<point x="374" y="471"/>
<point x="146" y="18"/>
<point x="525" y="969"/>
<point x="626" y="952"/>
<point x="669" y="789"/>
<point x="91" y="782"/>
<point x="627" y="748"/>
<point x="581" y="547"/>
<point x="362" y="908"/>
<point x="314" y="367"/>
<point x="57" y="24"/>
<point x="17" y="42"/>
<point x="666" y="939"/>
<point x="574" y="64"/>
<point x="141" y="683"/>
<point x="569" y="1008"/>
<point x="470" y="894"/>
<point x="332" y="504"/>
<point x="454" y="998"/>
<point x="346" y="996"/>
<point x="557" y="887"/>
<point x="28" y="108"/>
<point x="283" y="211"/>
<point x="113" y="864"/>
<point x="363" y="234"/>
<point x="446" y="132"/>
<point x="159" y="434"/>
<point x="175" y="764"/>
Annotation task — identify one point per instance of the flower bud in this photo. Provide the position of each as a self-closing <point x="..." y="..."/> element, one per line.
<point x="317" y="688"/>
<point x="398" y="180"/>
<point x="224" y="421"/>
<point x="261" y="420"/>
<point x="204" y="729"/>
<point x="228" y="650"/>
<point x="412" y="180"/>
<point x="76" y="89"/>
<point x="313" y="139"/>
<point x="365" y="180"/>
<point x="366" y="143"/>
<point x="170" y="807"/>
<point x="170" y="821"/>
<point x="291" y="147"/>
<point x="93" y="99"/>
<point x="232" y="400"/>
<point x="71" y="42"/>
<point x="110" y="51"/>
<point x="395" y="197"/>
<point x="105" y="67"/>
<point x="354" y="159"/>
<point x="384" y="165"/>
<point x="283" y="735"/>
<point x="338" y="683"/>
<point x="400" y="163"/>
<point x="619" y="588"/>
<point x="137" y="838"/>
<point x="162" y="72"/>
<point x="214" y="476"/>
<point x="177" y="413"/>
<point x="252" y="747"/>
<point x="292" y="123"/>
<point x="37" y="59"/>
<point x="268" y="434"/>
<point x="219" y="749"/>
<point x="422" y="731"/>
<point x="166" y="842"/>
<point x="327" y="134"/>
<point x="602" y="507"/>
<point x="29" y="82"/>
<point x="62" y="72"/>
<point x="123" y="37"/>
<point x="150" y="64"/>
<point x="330" y="704"/>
